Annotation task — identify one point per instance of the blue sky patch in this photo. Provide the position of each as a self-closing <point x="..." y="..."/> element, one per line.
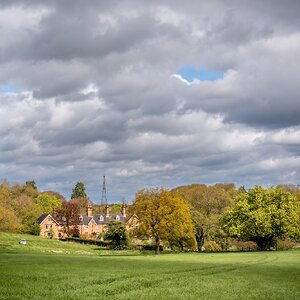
<point x="10" y="89"/>
<point x="190" y="73"/>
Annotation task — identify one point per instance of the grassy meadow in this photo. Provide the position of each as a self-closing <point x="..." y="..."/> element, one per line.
<point x="49" y="269"/>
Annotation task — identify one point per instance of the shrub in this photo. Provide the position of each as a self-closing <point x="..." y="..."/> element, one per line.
<point x="88" y="241"/>
<point x="211" y="246"/>
<point x="35" y="229"/>
<point x="117" y="235"/>
<point x="285" y="244"/>
<point x="152" y="247"/>
<point x="236" y="245"/>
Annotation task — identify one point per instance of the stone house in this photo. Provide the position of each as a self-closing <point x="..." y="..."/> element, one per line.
<point x="89" y="225"/>
<point x="49" y="227"/>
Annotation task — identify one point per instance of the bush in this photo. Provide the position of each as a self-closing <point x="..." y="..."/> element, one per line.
<point x="235" y="245"/>
<point x="148" y="247"/>
<point x="88" y="241"/>
<point x="152" y="247"/>
<point x="211" y="246"/>
<point x="285" y="244"/>
<point x="35" y="229"/>
<point x="74" y="232"/>
<point x="116" y="233"/>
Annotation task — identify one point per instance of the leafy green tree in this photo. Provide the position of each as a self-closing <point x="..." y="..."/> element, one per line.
<point x="78" y="191"/>
<point x="162" y="216"/>
<point x="116" y="208"/>
<point x="117" y="234"/>
<point x="263" y="216"/>
<point x="29" y="191"/>
<point x="17" y="203"/>
<point x="242" y="189"/>
<point x="31" y="183"/>
<point x="207" y="204"/>
<point x="47" y="202"/>
<point x="21" y="205"/>
<point x="34" y="229"/>
<point x="29" y="216"/>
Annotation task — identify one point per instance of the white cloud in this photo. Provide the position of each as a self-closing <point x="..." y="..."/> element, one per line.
<point x="101" y="98"/>
<point x="289" y="136"/>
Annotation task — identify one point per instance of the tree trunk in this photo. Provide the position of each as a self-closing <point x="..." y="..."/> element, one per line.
<point x="264" y="243"/>
<point x="156" y="246"/>
<point x="181" y="247"/>
<point x="200" y="239"/>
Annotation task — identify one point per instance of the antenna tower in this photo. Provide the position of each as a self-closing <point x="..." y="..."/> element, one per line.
<point x="103" y="198"/>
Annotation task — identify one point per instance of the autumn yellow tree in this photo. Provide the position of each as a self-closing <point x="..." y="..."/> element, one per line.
<point x="21" y="205"/>
<point x="163" y="216"/>
<point x="8" y="218"/>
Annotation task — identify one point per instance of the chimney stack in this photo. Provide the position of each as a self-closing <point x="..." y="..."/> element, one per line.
<point x="107" y="209"/>
<point x="89" y="210"/>
<point x="124" y="210"/>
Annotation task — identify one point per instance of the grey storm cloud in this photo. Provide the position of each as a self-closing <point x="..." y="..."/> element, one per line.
<point x="91" y="88"/>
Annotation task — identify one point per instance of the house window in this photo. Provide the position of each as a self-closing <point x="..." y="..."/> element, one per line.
<point x="50" y="226"/>
<point x="49" y="219"/>
<point x="46" y="226"/>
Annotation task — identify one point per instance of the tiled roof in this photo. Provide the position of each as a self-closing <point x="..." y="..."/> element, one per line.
<point x="105" y="219"/>
<point x="98" y="218"/>
<point x="85" y="219"/>
<point x="41" y="218"/>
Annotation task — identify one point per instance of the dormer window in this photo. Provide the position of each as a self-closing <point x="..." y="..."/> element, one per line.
<point x="80" y="218"/>
<point x="101" y="219"/>
<point x="117" y="218"/>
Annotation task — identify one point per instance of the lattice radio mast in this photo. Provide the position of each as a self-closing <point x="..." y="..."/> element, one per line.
<point x="103" y="198"/>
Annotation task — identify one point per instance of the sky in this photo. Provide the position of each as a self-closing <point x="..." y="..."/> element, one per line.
<point x="149" y="94"/>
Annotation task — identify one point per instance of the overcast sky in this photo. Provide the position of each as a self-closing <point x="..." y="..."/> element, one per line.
<point x="149" y="93"/>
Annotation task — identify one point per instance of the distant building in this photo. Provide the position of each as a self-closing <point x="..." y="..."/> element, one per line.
<point x="49" y="227"/>
<point x="88" y="225"/>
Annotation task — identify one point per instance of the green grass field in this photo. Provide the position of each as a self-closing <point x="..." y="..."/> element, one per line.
<point x="48" y="269"/>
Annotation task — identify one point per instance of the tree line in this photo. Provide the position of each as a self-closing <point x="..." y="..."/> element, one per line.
<point x="193" y="217"/>
<point x="197" y="217"/>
